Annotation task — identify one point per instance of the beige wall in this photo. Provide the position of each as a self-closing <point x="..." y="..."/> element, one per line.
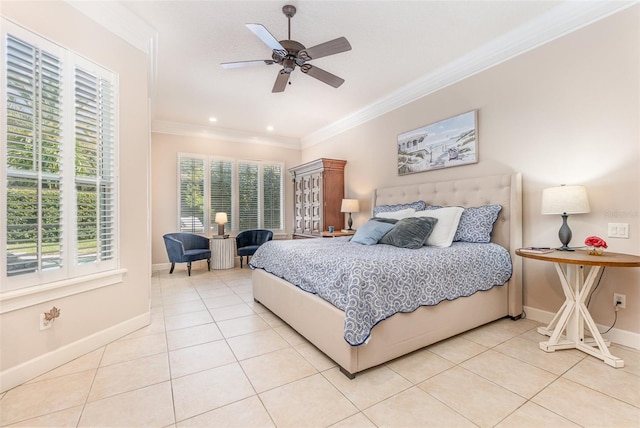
<point x="567" y="112"/>
<point x="84" y="317"/>
<point x="165" y="149"/>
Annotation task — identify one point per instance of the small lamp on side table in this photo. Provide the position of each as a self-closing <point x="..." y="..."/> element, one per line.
<point x="565" y="200"/>
<point x="221" y="219"/>
<point x="350" y="206"/>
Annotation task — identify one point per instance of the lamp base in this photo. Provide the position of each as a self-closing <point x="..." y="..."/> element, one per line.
<point x="565" y="248"/>
<point x="564" y="234"/>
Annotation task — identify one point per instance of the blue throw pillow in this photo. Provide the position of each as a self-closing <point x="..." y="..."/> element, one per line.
<point x="410" y="232"/>
<point x="371" y="232"/>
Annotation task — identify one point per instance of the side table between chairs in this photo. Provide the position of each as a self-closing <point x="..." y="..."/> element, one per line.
<point x="222" y="253"/>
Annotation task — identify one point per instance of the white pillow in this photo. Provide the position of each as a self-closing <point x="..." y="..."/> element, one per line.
<point x="398" y="215"/>
<point x="445" y="230"/>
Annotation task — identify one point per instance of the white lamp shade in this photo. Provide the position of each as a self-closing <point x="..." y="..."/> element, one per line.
<point x="350" y="206"/>
<point x="565" y="200"/>
<point x="221" y="218"/>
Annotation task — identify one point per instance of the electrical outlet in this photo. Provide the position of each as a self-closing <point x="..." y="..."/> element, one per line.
<point x="621" y="298"/>
<point x="44" y="324"/>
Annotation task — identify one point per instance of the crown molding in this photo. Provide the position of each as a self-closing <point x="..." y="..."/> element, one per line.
<point x="223" y="134"/>
<point x="120" y="21"/>
<point x="555" y="23"/>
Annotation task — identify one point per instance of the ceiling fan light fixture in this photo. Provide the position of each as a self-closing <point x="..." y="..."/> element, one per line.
<point x="289" y="65"/>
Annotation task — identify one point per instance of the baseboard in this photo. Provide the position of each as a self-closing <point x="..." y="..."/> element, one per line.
<point x="35" y="367"/>
<point x="616" y="335"/>
<point x="160" y="266"/>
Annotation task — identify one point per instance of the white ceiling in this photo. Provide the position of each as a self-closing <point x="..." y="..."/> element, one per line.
<point x="401" y="50"/>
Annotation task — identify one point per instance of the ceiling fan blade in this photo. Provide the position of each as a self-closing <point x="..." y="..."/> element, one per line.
<point x="321" y="75"/>
<point x="246" y="63"/>
<point x="281" y="81"/>
<point x="268" y="39"/>
<point x="325" y="49"/>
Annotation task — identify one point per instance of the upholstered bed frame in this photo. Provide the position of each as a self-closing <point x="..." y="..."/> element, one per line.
<point x="323" y="324"/>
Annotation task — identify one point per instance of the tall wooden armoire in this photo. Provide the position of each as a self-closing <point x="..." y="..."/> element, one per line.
<point x="318" y="192"/>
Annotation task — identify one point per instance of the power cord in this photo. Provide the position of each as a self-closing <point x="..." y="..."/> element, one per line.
<point x="615" y="312"/>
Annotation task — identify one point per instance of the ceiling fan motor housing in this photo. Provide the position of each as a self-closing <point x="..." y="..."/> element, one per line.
<point x="290" y="60"/>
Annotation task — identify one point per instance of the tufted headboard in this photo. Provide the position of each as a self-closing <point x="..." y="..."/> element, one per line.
<point x="505" y="190"/>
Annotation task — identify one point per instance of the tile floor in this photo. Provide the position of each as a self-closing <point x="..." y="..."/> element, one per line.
<point x="213" y="357"/>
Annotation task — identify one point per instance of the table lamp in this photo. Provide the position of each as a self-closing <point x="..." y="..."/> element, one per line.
<point x="565" y="200"/>
<point x="350" y="206"/>
<point x="221" y="219"/>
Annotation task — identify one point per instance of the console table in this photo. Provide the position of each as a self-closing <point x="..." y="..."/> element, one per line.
<point x="574" y="314"/>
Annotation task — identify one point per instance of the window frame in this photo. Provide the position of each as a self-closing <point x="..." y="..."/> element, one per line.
<point x="72" y="277"/>
<point x="233" y="226"/>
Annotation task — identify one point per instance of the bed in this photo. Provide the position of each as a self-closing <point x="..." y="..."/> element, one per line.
<point x="390" y="336"/>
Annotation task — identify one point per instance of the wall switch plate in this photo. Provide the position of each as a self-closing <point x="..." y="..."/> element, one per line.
<point x="618" y="230"/>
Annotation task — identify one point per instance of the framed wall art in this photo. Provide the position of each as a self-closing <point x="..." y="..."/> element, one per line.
<point x="449" y="142"/>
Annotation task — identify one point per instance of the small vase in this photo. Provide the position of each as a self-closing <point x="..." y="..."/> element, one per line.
<point x="596" y="251"/>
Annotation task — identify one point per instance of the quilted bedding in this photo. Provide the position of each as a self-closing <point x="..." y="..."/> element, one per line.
<point x="373" y="282"/>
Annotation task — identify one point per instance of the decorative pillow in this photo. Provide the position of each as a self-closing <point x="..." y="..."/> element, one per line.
<point x="371" y="232"/>
<point x="385" y="220"/>
<point x="476" y="223"/>
<point x="410" y="232"/>
<point x="398" y="215"/>
<point x="448" y="220"/>
<point x="417" y="206"/>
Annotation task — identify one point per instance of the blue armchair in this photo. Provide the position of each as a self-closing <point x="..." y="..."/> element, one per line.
<point x="248" y="241"/>
<point x="187" y="248"/>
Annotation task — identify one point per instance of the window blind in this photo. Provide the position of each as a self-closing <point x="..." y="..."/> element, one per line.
<point x="221" y="193"/>
<point x="94" y="167"/>
<point x="272" y="197"/>
<point x="192" y="195"/>
<point x="33" y="159"/>
<point x="248" y="196"/>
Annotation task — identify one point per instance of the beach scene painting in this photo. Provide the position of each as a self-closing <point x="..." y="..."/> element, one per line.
<point x="450" y="142"/>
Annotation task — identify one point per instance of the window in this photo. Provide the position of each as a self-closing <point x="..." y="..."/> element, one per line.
<point x="192" y="195"/>
<point x="250" y="192"/>
<point x="58" y="164"/>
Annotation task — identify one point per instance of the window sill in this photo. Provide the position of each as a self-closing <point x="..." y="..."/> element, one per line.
<point x="23" y="298"/>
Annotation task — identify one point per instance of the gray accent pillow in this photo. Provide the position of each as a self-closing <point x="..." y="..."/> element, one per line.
<point x="416" y="205"/>
<point x="410" y="232"/>
<point x="371" y="232"/>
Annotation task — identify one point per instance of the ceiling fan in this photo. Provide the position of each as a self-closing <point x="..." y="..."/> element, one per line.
<point x="290" y="53"/>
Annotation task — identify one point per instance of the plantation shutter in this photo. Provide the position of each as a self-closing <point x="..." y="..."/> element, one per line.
<point x="248" y="196"/>
<point x="94" y="167"/>
<point x="221" y="193"/>
<point x="33" y="158"/>
<point x="272" y="197"/>
<point x="192" y="195"/>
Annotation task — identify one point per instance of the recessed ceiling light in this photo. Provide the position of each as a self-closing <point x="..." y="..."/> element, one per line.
<point x="213" y="119"/>
<point x="269" y="128"/>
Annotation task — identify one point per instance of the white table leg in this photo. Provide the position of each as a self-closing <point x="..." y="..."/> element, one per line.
<point x="573" y="315"/>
